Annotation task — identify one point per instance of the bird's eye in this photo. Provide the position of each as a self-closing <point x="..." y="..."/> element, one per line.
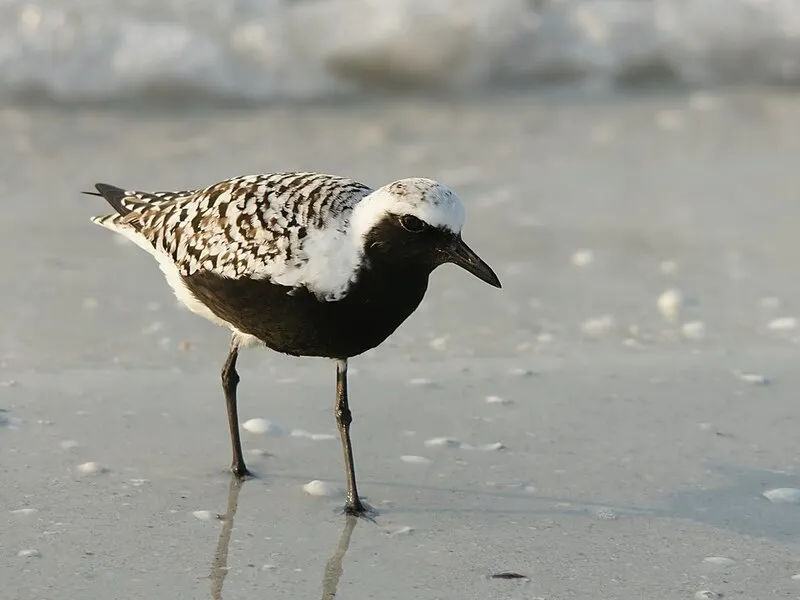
<point x="412" y="223"/>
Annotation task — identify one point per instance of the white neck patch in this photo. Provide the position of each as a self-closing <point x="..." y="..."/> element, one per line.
<point x="428" y="200"/>
<point x="336" y="253"/>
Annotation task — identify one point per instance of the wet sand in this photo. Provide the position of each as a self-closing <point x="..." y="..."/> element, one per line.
<point x="626" y="442"/>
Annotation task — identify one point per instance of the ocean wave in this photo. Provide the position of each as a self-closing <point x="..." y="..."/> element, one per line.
<point x="139" y="51"/>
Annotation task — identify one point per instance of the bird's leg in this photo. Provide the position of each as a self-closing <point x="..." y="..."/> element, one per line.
<point x="353" y="504"/>
<point x="230" y="380"/>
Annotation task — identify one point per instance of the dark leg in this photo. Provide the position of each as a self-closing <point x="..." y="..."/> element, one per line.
<point x="353" y="504"/>
<point x="230" y="380"/>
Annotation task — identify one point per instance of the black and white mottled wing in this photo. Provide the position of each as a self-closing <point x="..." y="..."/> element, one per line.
<point x="289" y="228"/>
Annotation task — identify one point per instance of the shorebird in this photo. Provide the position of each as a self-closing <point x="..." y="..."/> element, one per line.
<point x="305" y="264"/>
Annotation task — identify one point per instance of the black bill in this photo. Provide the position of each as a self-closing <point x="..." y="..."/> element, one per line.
<point x="462" y="255"/>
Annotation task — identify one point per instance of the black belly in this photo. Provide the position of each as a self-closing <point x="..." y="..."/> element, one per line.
<point x="300" y="324"/>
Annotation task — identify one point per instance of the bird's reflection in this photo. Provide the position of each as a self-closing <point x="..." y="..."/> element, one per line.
<point x="333" y="569"/>
<point x="219" y="566"/>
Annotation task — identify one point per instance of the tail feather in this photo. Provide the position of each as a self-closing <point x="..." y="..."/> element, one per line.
<point x="113" y="195"/>
<point x="111" y="221"/>
<point x="125" y="202"/>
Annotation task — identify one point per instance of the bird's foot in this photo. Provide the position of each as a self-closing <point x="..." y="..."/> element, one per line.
<point x="359" y="509"/>
<point x="241" y="472"/>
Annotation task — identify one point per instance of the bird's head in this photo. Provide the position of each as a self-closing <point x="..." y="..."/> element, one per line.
<point x="417" y="220"/>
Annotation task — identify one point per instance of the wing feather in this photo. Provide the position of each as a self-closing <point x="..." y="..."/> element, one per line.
<point x="289" y="228"/>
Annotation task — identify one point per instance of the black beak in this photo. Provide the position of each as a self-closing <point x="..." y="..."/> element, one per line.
<point x="462" y="255"/>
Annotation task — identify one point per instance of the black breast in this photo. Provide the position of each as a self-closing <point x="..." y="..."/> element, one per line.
<point x="301" y="325"/>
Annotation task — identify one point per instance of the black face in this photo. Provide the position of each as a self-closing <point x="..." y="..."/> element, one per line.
<point x="410" y="242"/>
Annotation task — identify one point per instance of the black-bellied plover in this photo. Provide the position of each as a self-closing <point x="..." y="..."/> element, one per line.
<point x="304" y="263"/>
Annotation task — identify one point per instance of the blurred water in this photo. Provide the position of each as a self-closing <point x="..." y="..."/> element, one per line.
<point x="141" y="51"/>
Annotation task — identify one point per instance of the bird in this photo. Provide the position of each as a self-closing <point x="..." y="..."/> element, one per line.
<point x="305" y="264"/>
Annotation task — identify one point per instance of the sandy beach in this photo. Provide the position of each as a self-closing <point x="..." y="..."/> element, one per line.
<point x="606" y="425"/>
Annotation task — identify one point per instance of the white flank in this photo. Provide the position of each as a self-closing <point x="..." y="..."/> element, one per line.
<point x="332" y="260"/>
<point x="168" y="267"/>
